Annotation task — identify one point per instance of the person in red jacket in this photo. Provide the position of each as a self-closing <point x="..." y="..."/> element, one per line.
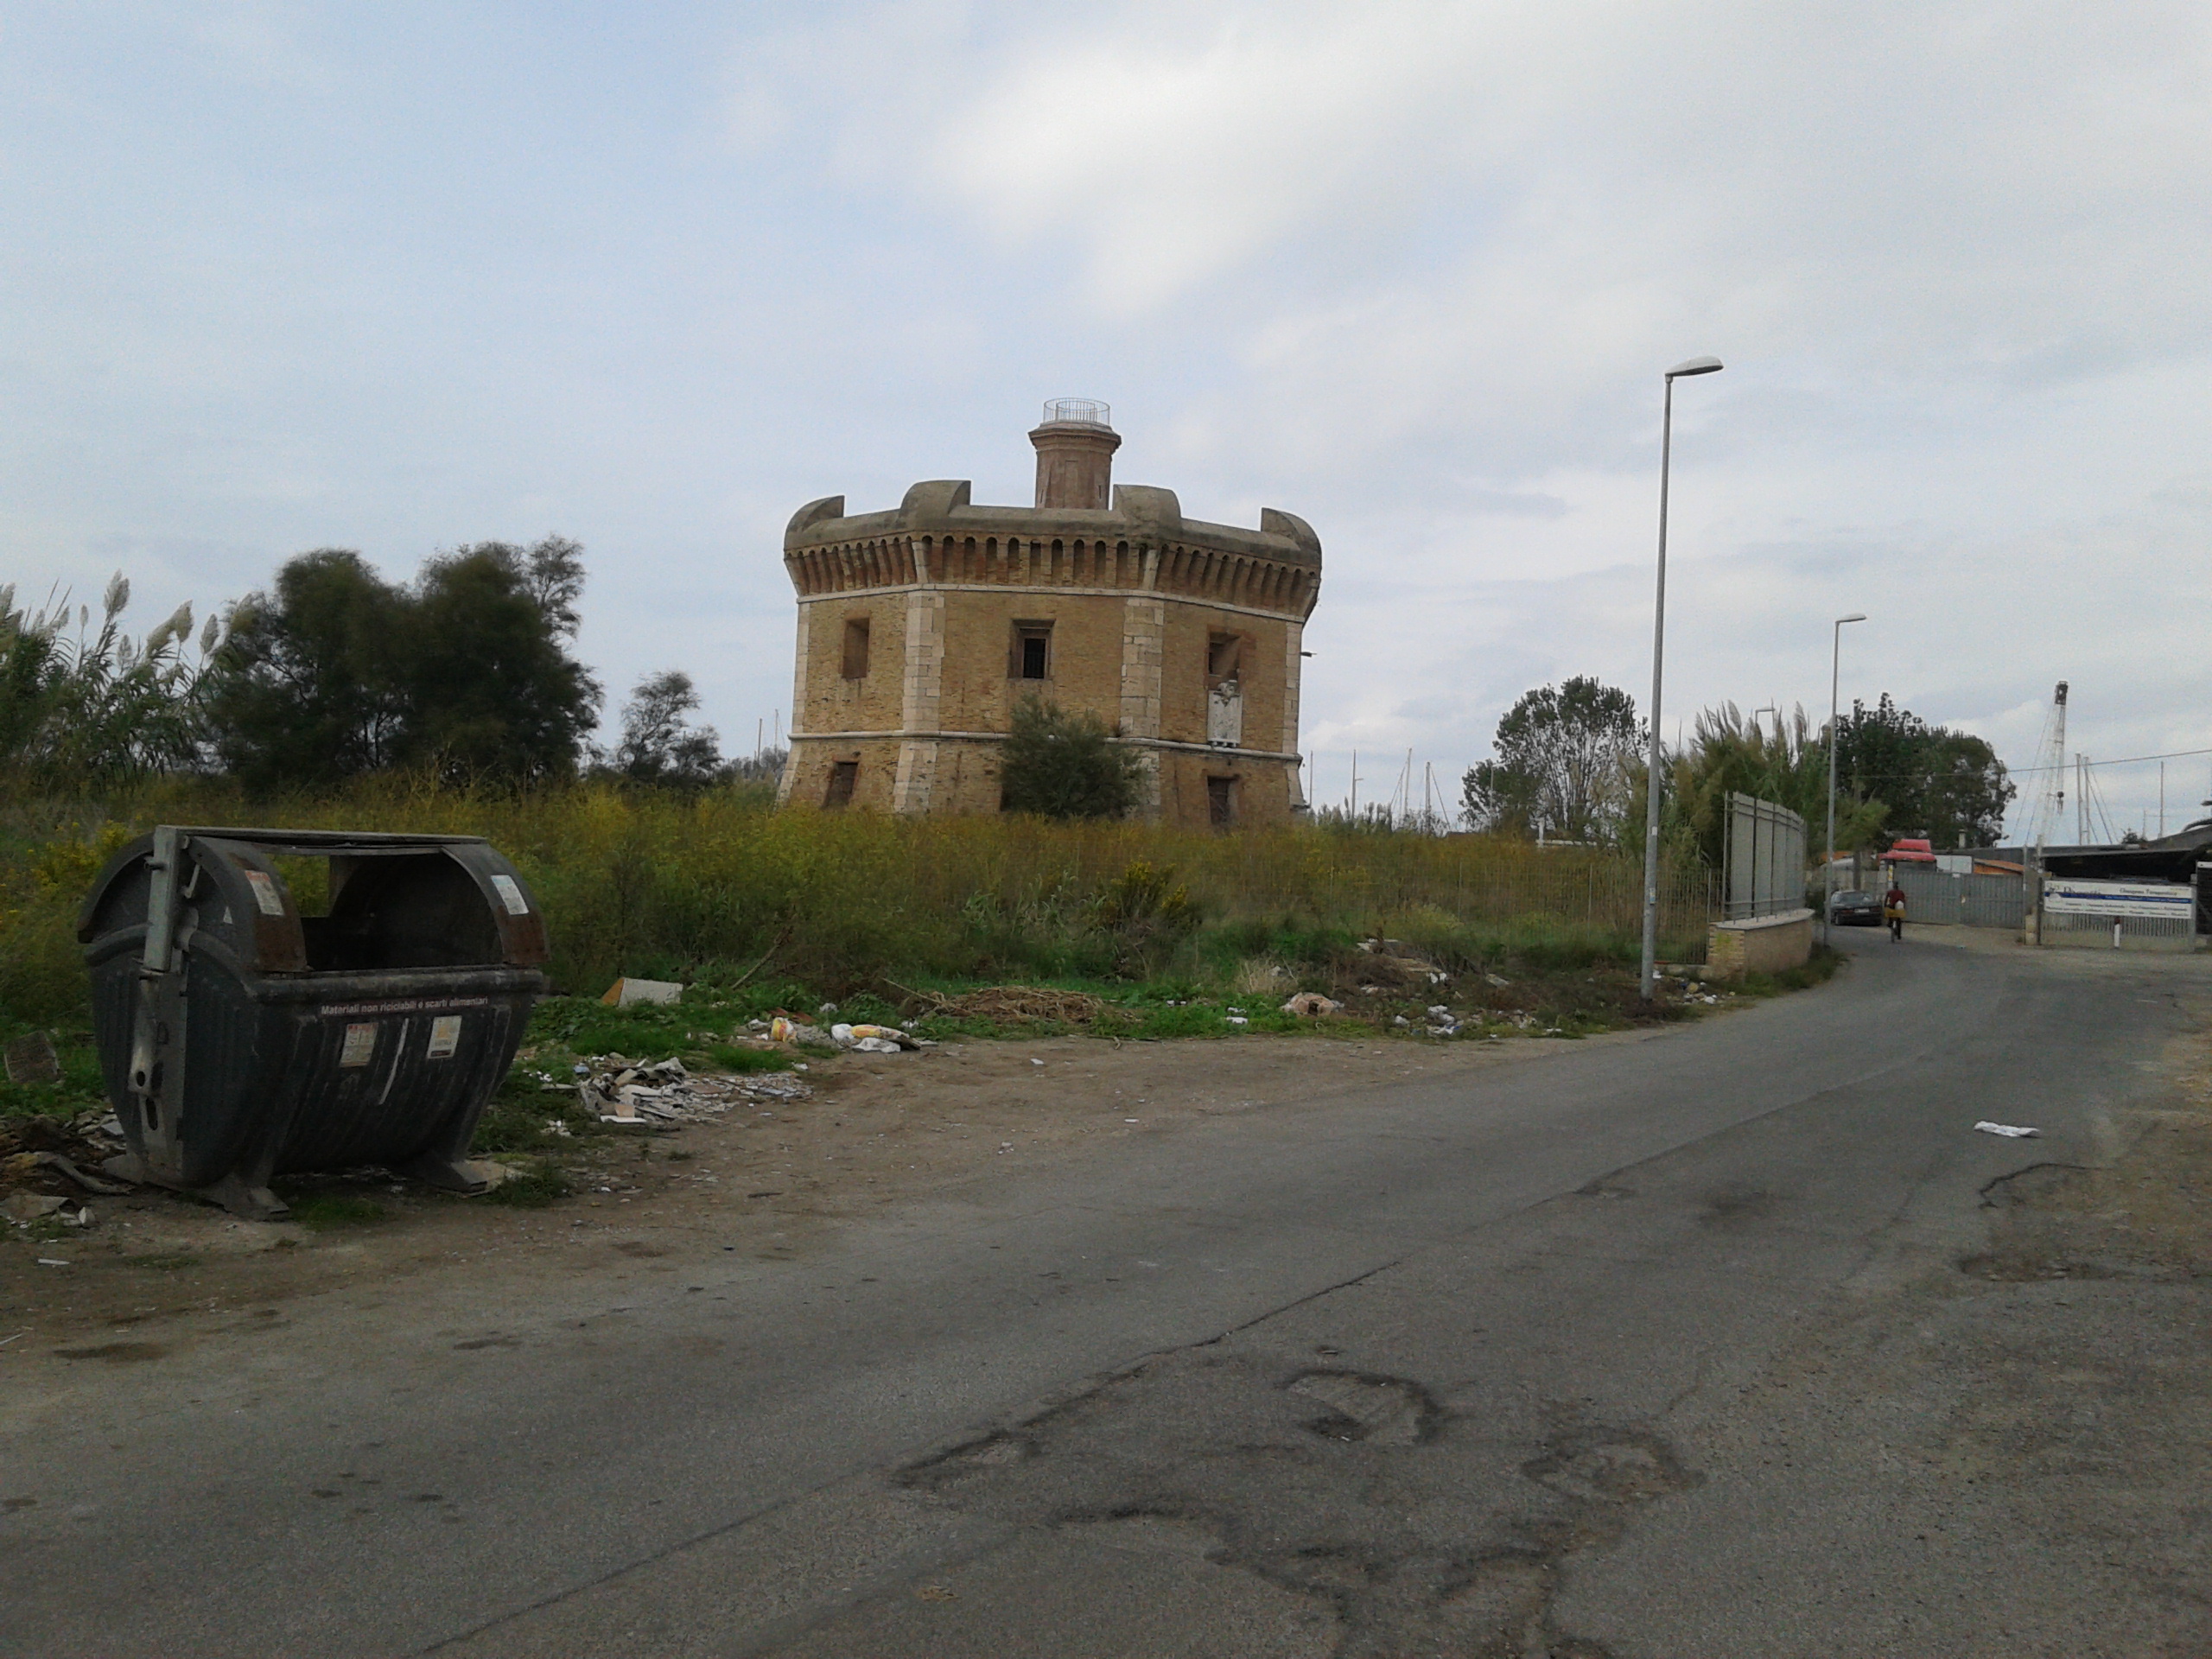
<point x="1893" y="908"/>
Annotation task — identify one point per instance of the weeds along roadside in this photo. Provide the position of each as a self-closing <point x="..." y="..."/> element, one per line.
<point x="1170" y="927"/>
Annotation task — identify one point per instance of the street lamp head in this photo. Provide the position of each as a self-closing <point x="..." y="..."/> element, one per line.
<point x="1856" y="616"/>
<point x="1695" y="365"/>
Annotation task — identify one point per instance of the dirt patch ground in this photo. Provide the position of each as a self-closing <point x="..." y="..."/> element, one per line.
<point x="880" y="1130"/>
<point x="2146" y="1214"/>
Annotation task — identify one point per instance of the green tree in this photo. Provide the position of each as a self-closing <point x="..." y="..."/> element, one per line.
<point x="336" y="672"/>
<point x="1947" y="785"/>
<point x="1065" y="766"/>
<point x="310" y="688"/>
<point x="491" y="690"/>
<point x="1567" y="759"/>
<point x="660" y="744"/>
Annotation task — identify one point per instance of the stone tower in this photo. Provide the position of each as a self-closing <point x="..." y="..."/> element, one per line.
<point x="920" y="630"/>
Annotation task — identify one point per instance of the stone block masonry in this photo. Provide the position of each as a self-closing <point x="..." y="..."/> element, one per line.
<point x="922" y="629"/>
<point x="1759" y="944"/>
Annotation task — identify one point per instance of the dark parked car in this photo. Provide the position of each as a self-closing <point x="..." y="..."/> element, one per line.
<point x="1855" y="910"/>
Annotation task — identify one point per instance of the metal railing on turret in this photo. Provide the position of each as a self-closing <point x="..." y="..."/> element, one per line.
<point x="1078" y="411"/>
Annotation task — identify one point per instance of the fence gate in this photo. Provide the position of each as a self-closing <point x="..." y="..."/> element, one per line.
<point x="1939" y="898"/>
<point x="1765" y="859"/>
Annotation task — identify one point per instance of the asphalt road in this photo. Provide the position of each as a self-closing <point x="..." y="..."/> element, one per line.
<point x="1654" y="1347"/>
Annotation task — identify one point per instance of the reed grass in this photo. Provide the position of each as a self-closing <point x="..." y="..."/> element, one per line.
<point x="704" y="888"/>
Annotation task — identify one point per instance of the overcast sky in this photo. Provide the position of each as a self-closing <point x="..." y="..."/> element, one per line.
<point x="276" y="277"/>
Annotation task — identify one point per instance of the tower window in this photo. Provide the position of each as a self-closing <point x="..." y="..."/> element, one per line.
<point x="1224" y="656"/>
<point x="1221" y="802"/>
<point x="844" y="774"/>
<point x="856" y="648"/>
<point x="1032" y="651"/>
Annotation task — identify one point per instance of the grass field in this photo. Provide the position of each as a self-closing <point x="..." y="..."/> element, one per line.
<point x="757" y="909"/>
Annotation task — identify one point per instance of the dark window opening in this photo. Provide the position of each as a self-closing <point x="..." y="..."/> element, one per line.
<point x="1221" y="802"/>
<point x="856" y="648"/>
<point x="1224" y="656"/>
<point x="843" y="776"/>
<point x="1032" y="651"/>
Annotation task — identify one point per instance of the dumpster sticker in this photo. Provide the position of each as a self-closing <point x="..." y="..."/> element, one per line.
<point x="510" y="892"/>
<point x="360" y="1043"/>
<point x="265" y="893"/>
<point x="445" y="1037"/>
<point x="405" y="1005"/>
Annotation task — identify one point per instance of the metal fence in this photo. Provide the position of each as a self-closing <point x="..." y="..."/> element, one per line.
<point x="2065" y="927"/>
<point x="1763" y="859"/>
<point x="1937" y="896"/>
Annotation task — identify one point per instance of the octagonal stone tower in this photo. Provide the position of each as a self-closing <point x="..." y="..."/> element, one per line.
<point x="920" y="630"/>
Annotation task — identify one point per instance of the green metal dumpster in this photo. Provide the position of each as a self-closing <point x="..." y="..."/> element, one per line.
<point x="242" y="1041"/>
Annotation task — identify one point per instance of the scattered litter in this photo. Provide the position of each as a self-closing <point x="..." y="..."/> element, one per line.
<point x="1311" y="1003"/>
<point x="1440" y="1012"/>
<point x="1400" y="1020"/>
<point x="1036" y="1062"/>
<point x="2010" y="1131"/>
<point x="1238" y="1020"/>
<point x="1130" y="1120"/>
<point x="628" y="993"/>
<point x="827" y="1009"/>
<point x="29" y="1206"/>
<point x="666" y="1092"/>
<point x="52" y="1261"/>
<point x="32" y="1060"/>
<point x="873" y="1040"/>
<point x="1498" y="980"/>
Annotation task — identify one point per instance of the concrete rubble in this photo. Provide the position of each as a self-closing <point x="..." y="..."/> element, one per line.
<point x="618" y="1091"/>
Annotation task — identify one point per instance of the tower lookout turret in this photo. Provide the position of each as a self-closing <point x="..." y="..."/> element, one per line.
<point x="1075" y="455"/>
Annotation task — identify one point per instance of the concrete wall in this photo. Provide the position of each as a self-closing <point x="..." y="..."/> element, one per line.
<point x="1763" y="944"/>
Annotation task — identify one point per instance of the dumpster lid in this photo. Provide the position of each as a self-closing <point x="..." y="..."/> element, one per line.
<point x="363" y="842"/>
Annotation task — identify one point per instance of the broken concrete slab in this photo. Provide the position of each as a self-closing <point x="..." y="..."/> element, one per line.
<point x="32" y="1060"/>
<point x="628" y="993"/>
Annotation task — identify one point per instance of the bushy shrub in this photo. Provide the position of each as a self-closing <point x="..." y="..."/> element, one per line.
<point x="1059" y="764"/>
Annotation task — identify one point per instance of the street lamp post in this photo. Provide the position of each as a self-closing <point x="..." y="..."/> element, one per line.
<point x="1828" y="864"/>
<point x="1648" y="984"/>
